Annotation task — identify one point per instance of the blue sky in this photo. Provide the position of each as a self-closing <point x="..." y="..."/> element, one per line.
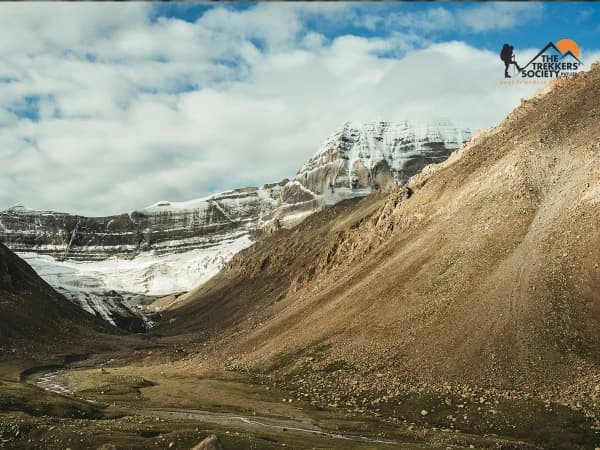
<point x="545" y="21"/>
<point x="108" y="107"/>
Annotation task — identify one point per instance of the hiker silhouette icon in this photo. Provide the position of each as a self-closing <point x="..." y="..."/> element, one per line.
<point x="508" y="57"/>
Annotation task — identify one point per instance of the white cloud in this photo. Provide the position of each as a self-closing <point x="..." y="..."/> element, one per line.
<point x="36" y="29"/>
<point x="500" y="15"/>
<point x="468" y="19"/>
<point x="132" y="111"/>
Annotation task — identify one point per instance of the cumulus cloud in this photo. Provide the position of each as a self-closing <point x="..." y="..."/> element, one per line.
<point x="107" y="108"/>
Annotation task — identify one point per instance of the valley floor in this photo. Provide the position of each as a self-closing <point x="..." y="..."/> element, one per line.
<point x="159" y="397"/>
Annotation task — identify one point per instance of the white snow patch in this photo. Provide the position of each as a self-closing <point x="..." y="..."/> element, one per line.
<point x="148" y="273"/>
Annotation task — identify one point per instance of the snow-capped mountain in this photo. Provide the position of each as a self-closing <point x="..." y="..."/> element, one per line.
<point x="161" y="228"/>
<point x="361" y="156"/>
<point x="112" y="265"/>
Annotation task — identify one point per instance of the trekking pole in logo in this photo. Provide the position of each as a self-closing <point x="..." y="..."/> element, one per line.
<point x="508" y="57"/>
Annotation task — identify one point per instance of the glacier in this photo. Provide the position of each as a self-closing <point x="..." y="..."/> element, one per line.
<point x="113" y="266"/>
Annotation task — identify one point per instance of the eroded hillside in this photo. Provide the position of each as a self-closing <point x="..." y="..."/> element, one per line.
<point x="484" y="269"/>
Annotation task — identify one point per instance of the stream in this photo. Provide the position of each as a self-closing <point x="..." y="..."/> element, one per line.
<point x="49" y="381"/>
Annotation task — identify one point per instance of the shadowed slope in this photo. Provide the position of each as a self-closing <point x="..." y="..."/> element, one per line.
<point x="33" y="315"/>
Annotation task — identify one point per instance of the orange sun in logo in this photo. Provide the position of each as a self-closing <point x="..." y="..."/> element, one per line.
<point x="564" y="45"/>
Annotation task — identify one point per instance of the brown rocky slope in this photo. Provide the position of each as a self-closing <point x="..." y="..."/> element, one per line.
<point x="483" y="270"/>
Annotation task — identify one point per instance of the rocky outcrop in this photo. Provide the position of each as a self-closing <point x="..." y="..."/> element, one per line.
<point x="358" y="158"/>
<point x="164" y="227"/>
<point x="212" y="442"/>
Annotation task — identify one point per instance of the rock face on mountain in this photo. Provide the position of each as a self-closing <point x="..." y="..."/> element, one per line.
<point x="355" y="159"/>
<point x="164" y="227"/>
<point x="360" y="157"/>
<point x="111" y="265"/>
<point x="379" y="153"/>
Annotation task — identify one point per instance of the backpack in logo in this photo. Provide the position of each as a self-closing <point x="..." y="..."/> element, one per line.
<point x="505" y="52"/>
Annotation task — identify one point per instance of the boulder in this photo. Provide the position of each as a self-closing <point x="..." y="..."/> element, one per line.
<point x="212" y="442"/>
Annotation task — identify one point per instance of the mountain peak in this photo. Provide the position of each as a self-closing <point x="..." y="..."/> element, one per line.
<point x="18" y="208"/>
<point x="361" y="155"/>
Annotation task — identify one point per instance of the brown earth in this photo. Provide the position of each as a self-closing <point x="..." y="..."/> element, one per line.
<point x="483" y="270"/>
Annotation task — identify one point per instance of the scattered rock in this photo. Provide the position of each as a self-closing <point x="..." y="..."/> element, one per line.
<point x="212" y="442"/>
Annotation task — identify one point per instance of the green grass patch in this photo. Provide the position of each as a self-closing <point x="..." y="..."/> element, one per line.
<point x="15" y="396"/>
<point x="137" y="433"/>
<point x="107" y="387"/>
